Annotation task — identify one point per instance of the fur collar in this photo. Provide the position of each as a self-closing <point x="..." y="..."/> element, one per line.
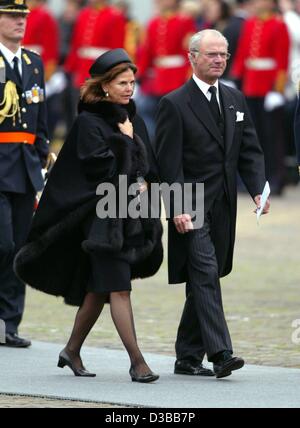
<point x="112" y="113"/>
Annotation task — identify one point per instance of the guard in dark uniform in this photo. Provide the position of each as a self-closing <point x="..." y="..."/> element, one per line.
<point x="23" y="154"/>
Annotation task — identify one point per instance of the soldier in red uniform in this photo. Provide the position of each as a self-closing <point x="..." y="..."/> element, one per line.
<point x="163" y="64"/>
<point x="42" y="36"/>
<point x="99" y="27"/>
<point x="261" y="65"/>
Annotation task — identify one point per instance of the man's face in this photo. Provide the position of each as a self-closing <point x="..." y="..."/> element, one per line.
<point x="163" y="5"/>
<point x="210" y="60"/>
<point x="263" y="6"/>
<point x="12" y="26"/>
<point x="96" y="3"/>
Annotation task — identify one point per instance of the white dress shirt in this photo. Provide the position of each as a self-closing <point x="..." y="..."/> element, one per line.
<point x="204" y="87"/>
<point x="9" y="56"/>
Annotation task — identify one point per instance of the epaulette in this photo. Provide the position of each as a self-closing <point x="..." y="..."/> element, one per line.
<point x="31" y="50"/>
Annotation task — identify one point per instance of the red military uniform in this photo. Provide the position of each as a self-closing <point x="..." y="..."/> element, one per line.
<point x="42" y="36"/>
<point x="164" y="52"/>
<point x="262" y="56"/>
<point x="96" y="31"/>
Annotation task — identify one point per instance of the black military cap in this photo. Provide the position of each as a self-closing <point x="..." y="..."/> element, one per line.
<point x="109" y="60"/>
<point x="13" y="6"/>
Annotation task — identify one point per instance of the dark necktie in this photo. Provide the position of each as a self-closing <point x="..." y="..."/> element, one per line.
<point x="215" y="109"/>
<point x="16" y="71"/>
<point x="214" y="103"/>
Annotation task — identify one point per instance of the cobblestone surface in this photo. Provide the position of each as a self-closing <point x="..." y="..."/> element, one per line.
<point x="261" y="298"/>
<point x="17" y="401"/>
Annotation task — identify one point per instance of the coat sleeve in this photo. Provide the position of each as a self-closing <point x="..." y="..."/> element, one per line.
<point x="102" y="158"/>
<point x="251" y="159"/>
<point x="169" y="147"/>
<point x="297" y="132"/>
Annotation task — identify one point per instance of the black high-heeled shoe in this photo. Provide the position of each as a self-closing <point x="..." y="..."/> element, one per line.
<point x="149" y="377"/>
<point x="65" y="360"/>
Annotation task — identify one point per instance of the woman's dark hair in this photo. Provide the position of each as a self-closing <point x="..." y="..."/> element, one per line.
<point x="92" y="90"/>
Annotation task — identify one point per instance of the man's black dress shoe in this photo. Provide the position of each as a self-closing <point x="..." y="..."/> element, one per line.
<point x="14" y="341"/>
<point x="191" y="368"/>
<point x="226" y="363"/>
<point x="149" y="377"/>
<point x="65" y="360"/>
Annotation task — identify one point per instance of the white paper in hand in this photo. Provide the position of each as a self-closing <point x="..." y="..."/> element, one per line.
<point x="2" y="331"/>
<point x="264" y="197"/>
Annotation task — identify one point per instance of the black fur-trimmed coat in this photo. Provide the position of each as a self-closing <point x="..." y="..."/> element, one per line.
<point x="55" y="257"/>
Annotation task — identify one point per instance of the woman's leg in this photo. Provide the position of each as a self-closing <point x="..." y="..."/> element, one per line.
<point x="122" y="315"/>
<point x="86" y="317"/>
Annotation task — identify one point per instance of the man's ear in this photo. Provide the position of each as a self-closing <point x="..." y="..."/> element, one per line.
<point x="191" y="57"/>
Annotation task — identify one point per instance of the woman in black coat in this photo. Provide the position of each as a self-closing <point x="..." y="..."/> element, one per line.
<point x="73" y="253"/>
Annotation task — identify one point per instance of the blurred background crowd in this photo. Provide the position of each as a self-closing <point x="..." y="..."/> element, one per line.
<point x="264" y="42"/>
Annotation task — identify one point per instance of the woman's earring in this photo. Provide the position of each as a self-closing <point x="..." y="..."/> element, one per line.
<point x="106" y="94"/>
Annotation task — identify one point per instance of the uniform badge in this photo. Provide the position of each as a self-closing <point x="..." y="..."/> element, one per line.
<point x="26" y="58"/>
<point x="2" y="70"/>
<point x="42" y="95"/>
<point x="28" y="96"/>
<point x="35" y="94"/>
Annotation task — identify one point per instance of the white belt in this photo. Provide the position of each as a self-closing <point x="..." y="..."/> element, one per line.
<point x="261" y="63"/>
<point x="169" y="61"/>
<point x="36" y="48"/>
<point x="91" y="52"/>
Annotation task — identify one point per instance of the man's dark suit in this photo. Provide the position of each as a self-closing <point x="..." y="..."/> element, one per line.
<point x="297" y="133"/>
<point x="190" y="148"/>
<point x="20" y="176"/>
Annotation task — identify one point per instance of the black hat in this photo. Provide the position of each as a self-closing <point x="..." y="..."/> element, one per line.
<point x="13" y="6"/>
<point x="109" y="60"/>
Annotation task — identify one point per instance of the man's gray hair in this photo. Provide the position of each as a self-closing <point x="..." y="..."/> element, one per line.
<point x="197" y="38"/>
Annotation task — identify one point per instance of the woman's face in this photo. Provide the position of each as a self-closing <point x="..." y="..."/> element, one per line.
<point x="120" y="89"/>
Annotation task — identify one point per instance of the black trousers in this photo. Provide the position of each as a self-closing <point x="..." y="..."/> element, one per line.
<point x="16" y="212"/>
<point x="203" y="328"/>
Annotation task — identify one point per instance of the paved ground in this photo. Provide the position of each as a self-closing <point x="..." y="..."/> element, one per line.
<point x="261" y="295"/>
<point x="19" y="401"/>
<point x="262" y="305"/>
<point x="33" y="372"/>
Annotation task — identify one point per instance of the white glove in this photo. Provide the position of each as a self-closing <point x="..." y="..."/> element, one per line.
<point x="137" y="91"/>
<point x="44" y="173"/>
<point x="56" y="84"/>
<point x="229" y="83"/>
<point x="2" y="331"/>
<point x="273" y="100"/>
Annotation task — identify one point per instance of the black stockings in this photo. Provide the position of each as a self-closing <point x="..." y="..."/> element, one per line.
<point x="122" y="315"/>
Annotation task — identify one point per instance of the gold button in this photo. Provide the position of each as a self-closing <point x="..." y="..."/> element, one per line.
<point x="25" y="125"/>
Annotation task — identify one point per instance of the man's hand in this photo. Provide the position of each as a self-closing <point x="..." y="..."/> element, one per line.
<point x="183" y="223"/>
<point x="257" y="202"/>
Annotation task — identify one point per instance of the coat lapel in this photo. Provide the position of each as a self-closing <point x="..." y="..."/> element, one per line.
<point x="200" y="107"/>
<point x="229" y="110"/>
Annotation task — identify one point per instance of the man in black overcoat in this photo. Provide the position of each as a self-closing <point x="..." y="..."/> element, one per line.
<point x="23" y="154"/>
<point x="297" y="133"/>
<point x="205" y="135"/>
